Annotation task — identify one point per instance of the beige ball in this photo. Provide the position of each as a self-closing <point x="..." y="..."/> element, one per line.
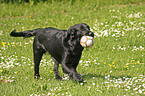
<point x="87" y="41"/>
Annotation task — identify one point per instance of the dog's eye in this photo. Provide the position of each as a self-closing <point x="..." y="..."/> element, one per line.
<point x="88" y="27"/>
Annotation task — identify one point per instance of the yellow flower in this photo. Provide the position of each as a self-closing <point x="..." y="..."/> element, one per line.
<point x="30" y="16"/>
<point x="127" y="60"/>
<point x="112" y="62"/>
<point x="113" y="65"/>
<point x="8" y="43"/>
<point x="133" y="60"/>
<point x="3" y="43"/>
<point x="13" y="45"/>
<point x="128" y="73"/>
<point x="93" y="74"/>
<point x="136" y="69"/>
<point x="2" y="70"/>
<point x="104" y="62"/>
<point x="125" y="66"/>
<point x="110" y="65"/>
<point x="31" y="67"/>
<point x="138" y="62"/>
<point x="51" y="71"/>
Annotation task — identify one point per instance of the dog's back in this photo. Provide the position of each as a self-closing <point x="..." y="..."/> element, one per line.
<point x="52" y="40"/>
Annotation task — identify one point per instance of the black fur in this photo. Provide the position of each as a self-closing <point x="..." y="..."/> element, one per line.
<point x="63" y="46"/>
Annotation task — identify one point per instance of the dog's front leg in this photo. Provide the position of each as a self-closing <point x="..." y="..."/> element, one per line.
<point x="76" y="76"/>
<point x="71" y="70"/>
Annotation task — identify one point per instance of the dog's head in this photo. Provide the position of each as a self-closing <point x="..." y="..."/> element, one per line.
<point x="73" y="35"/>
<point x="80" y="30"/>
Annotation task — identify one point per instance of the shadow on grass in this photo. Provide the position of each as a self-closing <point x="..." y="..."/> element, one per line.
<point x="86" y="77"/>
<point x="90" y="76"/>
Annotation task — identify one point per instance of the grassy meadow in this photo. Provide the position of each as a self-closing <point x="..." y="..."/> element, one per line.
<point x="114" y="66"/>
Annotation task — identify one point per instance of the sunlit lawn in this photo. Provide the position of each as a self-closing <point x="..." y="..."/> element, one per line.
<point x="114" y="66"/>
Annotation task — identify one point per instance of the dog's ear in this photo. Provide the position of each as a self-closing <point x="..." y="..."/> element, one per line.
<point x="71" y="30"/>
<point x="73" y="33"/>
<point x="70" y="36"/>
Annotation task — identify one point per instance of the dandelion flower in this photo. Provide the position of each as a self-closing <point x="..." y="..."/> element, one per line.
<point x="2" y="70"/>
<point x="3" y="43"/>
<point x="12" y="43"/>
<point x="110" y="65"/>
<point x="112" y="62"/>
<point x="136" y="69"/>
<point x="51" y="71"/>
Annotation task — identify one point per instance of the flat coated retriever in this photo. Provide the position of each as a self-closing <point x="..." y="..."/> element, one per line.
<point x="63" y="46"/>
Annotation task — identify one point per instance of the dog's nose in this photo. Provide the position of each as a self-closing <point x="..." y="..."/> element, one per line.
<point x="91" y="34"/>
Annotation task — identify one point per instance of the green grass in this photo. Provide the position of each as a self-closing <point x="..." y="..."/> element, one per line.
<point x="113" y="66"/>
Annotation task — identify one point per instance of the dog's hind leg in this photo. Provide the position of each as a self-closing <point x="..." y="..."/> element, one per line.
<point x="38" y="53"/>
<point x="55" y="70"/>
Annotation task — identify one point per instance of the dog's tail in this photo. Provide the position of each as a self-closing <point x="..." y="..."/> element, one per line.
<point x="24" y="34"/>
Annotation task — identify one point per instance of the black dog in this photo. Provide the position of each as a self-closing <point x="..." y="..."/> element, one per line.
<point x="63" y="46"/>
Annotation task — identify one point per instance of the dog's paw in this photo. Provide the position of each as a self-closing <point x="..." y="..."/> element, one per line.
<point x="58" y="77"/>
<point x="77" y="77"/>
<point x="37" y="77"/>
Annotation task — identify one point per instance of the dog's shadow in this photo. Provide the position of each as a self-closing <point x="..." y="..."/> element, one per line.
<point x="99" y="76"/>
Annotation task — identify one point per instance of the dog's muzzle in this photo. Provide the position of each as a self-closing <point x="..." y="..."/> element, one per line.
<point x="90" y="34"/>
